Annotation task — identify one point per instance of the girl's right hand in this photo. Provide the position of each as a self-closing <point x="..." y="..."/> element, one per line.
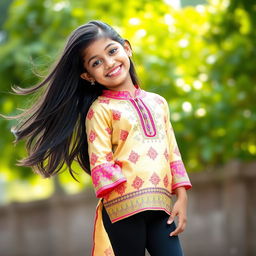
<point x="180" y="210"/>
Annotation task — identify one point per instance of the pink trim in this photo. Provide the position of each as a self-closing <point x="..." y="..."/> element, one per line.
<point x="185" y="184"/>
<point x="140" y="210"/>
<point x="116" y="94"/>
<point x="141" y="119"/>
<point x="116" y="164"/>
<point x="150" y="116"/>
<point x="178" y="168"/>
<point x="108" y="188"/>
<point x="140" y="116"/>
<point x="123" y="94"/>
<point x="105" y="170"/>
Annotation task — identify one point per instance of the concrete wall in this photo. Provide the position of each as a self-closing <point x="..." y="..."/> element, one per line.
<point x="222" y="212"/>
<point x="221" y="219"/>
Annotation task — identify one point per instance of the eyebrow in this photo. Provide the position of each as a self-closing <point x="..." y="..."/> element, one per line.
<point x="97" y="55"/>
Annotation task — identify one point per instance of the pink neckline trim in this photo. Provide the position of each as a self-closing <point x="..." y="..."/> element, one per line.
<point x="123" y="94"/>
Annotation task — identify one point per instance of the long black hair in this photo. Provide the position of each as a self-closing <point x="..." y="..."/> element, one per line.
<point x="54" y="126"/>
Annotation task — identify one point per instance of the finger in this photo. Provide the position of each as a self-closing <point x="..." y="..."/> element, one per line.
<point x="178" y="230"/>
<point x="171" y="218"/>
<point x="181" y="227"/>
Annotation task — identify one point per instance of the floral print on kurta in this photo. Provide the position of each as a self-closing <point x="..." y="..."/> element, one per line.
<point x="131" y="140"/>
<point x="134" y="157"/>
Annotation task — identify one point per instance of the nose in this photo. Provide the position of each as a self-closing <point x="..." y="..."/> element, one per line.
<point x="109" y="62"/>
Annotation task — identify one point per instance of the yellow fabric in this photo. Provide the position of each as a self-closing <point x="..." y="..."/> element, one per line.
<point x="134" y="157"/>
<point x="101" y="243"/>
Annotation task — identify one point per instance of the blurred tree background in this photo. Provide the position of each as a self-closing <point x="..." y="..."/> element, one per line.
<point x="201" y="58"/>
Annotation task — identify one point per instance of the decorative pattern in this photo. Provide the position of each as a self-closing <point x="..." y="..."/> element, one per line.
<point x="166" y="181"/>
<point x="179" y="176"/>
<point x="178" y="168"/>
<point x="137" y="201"/>
<point x="109" y="156"/>
<point x="106" y="101"/>
<point x="145" y="116"/>
<point x="93" y="159"/>
<point x="109" y="252"/>
<point x="177" y="151"/>
<point x="142" y="174"/>
<point x="90" y="114"/>
<point x="154" y="179"/>
<point x="109" y="131"/>
<point x="96" y="175"/>
<point x="144" y="113"/>
<point x="104" y="171"/>
<point x="125" y="95"/>
<point x="123" y="135"/>
<point x="133" y="157"/>
<point x="120" y="189"/>
<point x="116" y="114"/>
<point x="116" y="94"/>
<point x="152" y="153"/>
<point x="92" y="136"/>
<point x="137" y="183"/>
<point x="166" y="155"/>
<point x="105" y="177"/>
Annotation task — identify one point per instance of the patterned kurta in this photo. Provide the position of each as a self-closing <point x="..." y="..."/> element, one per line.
<point x="134" y="157"/>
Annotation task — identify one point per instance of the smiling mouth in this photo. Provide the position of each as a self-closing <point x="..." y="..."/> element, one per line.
<point x="114" y="72"/>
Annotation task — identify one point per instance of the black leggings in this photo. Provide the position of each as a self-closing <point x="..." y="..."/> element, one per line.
<point x="148" y="229"/>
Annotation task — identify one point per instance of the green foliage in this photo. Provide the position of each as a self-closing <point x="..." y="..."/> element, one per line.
<point x="201" y="59"/>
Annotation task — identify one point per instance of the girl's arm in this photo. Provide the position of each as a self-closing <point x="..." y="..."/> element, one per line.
<point x="180" y="210"/>
<point x="180" y="179"/>
<point x="105" y="172"/>
<point x="179" y="174"/>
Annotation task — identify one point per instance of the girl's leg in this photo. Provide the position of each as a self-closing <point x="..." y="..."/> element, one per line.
<point x="127" y="236"/>
<point x="159" y="243"/>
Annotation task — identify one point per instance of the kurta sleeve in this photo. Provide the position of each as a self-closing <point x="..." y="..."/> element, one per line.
<point x="105" y="172"/>
<point x="179" y="174"/>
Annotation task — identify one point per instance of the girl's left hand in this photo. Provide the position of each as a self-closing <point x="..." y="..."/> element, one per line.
<point x="180" y="210"/>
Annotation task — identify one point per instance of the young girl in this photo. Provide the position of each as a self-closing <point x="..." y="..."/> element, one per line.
<point x="93" y="110"/>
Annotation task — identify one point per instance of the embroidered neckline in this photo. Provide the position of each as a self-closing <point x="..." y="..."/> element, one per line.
<point x="143" y="111"/>
<point x="123" y="94"/>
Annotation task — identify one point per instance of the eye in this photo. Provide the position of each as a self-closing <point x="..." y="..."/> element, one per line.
<point x="112" y="51"/>
<point x="95" y="63"/>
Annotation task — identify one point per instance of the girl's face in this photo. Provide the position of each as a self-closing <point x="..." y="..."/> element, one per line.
<point x="107" y="62"/>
